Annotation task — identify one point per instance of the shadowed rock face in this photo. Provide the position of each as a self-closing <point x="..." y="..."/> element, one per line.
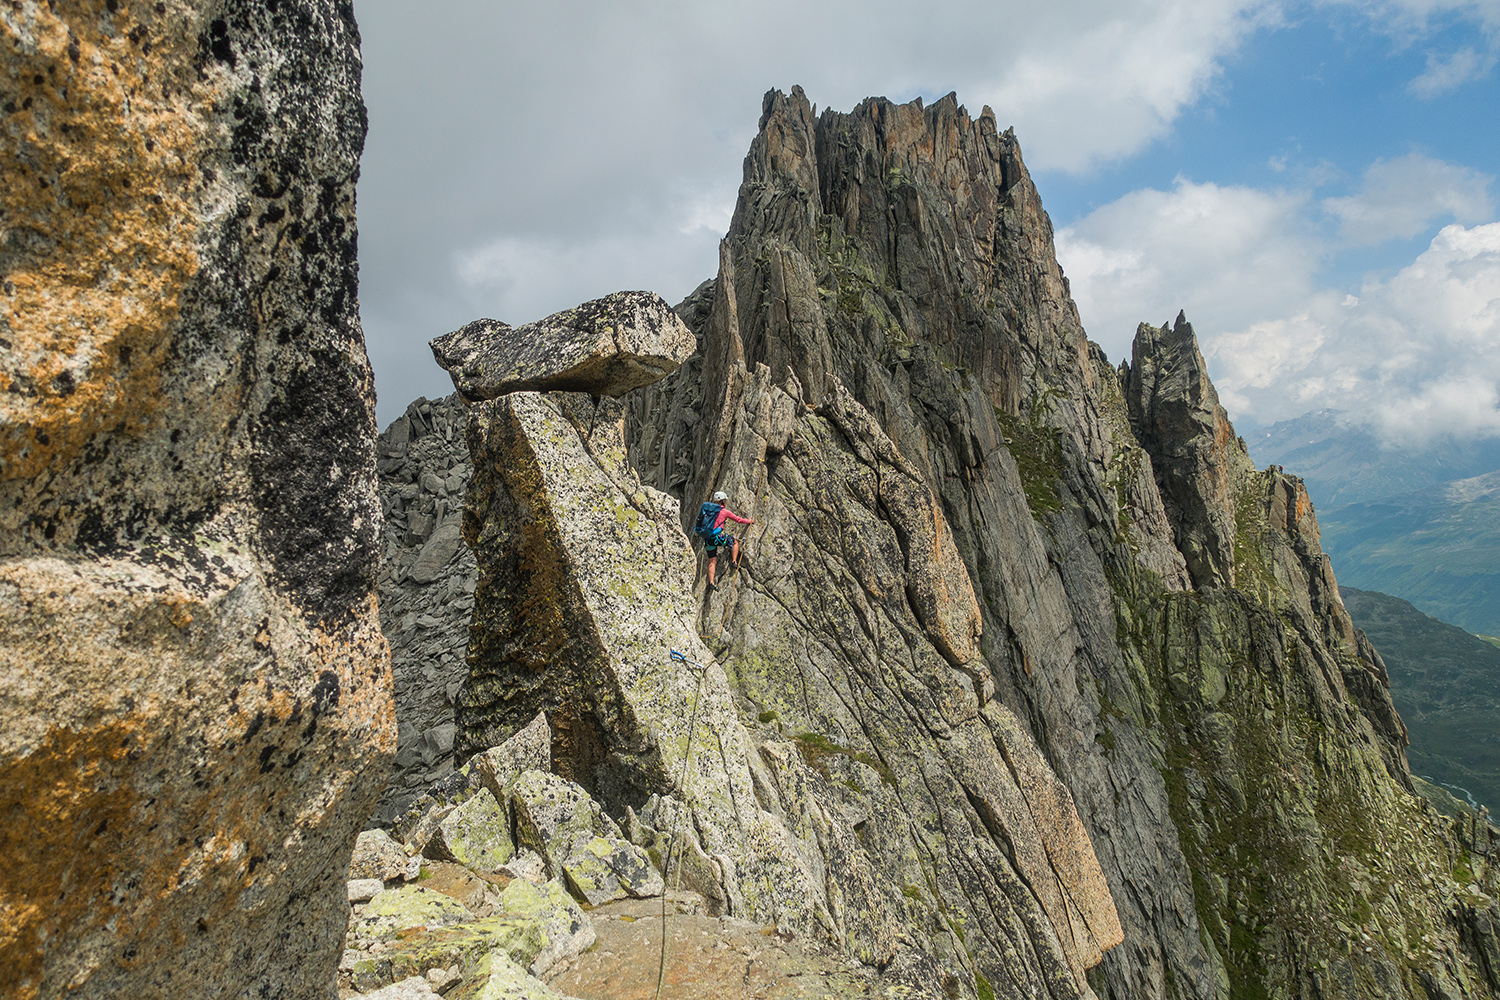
<point x="604" y="348"/>
<point x="195" y="707"/>
<point x="427" y="580"/>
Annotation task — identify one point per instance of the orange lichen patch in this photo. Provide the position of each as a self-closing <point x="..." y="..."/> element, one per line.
<point x="180" y="609"/>
<point x="100" y="138"/>
<point x="64" y="805"/>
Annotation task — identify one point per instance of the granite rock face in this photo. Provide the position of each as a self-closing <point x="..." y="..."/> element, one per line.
<point x="604" y="348"/>
<point x="427" y="581"/>
<point x="1156" y="617"/>
<point x="195" y="713"/>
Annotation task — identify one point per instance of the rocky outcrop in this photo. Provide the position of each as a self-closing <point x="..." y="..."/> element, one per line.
<point x="473" y="915"/>
<point x="427" y="581"/>
<point x="195" y="710"/>
<point x="1184" y="667"/>
<point x="604" y="348"/>
<point x="1198" y="460"/>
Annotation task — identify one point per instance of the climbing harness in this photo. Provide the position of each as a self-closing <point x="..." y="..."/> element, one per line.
<point x="661" y="972"/>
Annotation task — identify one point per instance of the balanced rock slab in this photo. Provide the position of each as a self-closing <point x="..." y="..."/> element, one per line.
<point x="604" y="348"/>
<point x="195" y="708"/>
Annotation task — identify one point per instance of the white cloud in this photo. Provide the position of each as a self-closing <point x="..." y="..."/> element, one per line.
<point x="1410" y="22"/>
<point x="1446" y="73"/>
<point x="1401" y="198"/>
<point x="1227" y="255"/>
<point x="1417" y="354"/>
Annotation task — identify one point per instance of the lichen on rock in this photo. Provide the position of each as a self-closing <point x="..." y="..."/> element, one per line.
<point x="196" y="687"/>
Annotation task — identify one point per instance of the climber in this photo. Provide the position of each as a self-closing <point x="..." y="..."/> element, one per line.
<point x="710" y="525"/>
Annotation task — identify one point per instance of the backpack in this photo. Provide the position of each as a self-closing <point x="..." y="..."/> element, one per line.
<point x="707" y="515"/>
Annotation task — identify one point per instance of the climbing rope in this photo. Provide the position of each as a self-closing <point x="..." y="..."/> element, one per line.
<point x="661" y="972"/>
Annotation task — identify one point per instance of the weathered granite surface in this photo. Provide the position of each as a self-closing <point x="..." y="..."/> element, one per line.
<point x="195" y="709"/>
<point x="1028" y="670"/>
<point x="1198" y="460"/>
<point x="586" y="583"/>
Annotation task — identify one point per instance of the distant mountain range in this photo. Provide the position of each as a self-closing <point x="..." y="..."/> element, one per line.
<point x="1420" y="524"/>
<point x="1342" y="462"/>
<point x="1438" y="548"/>
<point x="1446" y="685"/>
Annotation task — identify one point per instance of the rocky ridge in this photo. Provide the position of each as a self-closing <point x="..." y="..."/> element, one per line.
<point x="1186" y="667"/>
<point x="1031" y="684"/>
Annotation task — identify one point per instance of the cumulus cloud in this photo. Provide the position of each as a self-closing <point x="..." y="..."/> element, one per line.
<point x="1413" y="22"/>
<point x="1225" y="254"/>
<point x="1416" y="354"/>
<point x="1401" y="198"/>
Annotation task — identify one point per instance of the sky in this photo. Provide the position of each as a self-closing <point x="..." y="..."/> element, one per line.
<point x="1313" y="183"/>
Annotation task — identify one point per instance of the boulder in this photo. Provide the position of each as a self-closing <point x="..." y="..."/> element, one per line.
<point x="566" y="929"/>
<point x="410" y="988"/>
<point x="508" y="980"/>
<point x="362" y="890"/>
<point x="465" y="946"/>
<point x="604" y="348"/>
<point x="600" y="869"/>
<point x="526" y="864"/>
<point x="475" y="834"/>
<point x="391" y="913"/>
<point x="377" y="856"/>
<point x="551" y="812"/>
<point x="477" y="892"/>
<point x="530" y="749"/>
<point x="195" y="708"/>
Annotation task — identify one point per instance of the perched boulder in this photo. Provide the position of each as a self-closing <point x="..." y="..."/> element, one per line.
<point x="604" y="348"/>
<point x="195" y="707"/>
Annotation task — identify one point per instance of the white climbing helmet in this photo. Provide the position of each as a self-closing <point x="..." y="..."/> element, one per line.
<point x="720" y="497"/>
